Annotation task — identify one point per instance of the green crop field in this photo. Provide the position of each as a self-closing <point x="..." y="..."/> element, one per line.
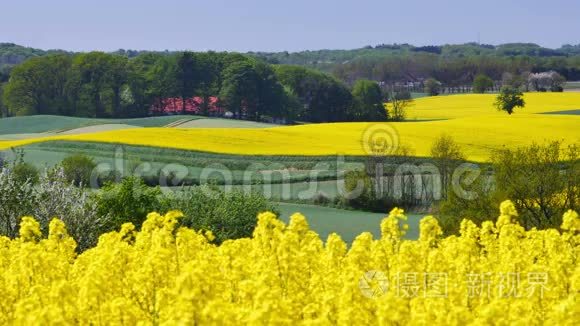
<point x="348" y="224"/>
<point x="50" y="123"/>
<point x="572" y="85"/>
<point x="223" y="123"/>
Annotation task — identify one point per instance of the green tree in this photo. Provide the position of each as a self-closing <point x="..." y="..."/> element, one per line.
<point x="240" y="88"/>
<point x="367" y="102"/>
<point x="209" y="70"/>
<point x="3" y="108"/>
<point x="92" y="80"/>
<point x="447" y="155"/>
<point x="323" y="97"/>
<point x="78" y="169"/>
<point x="482" y="83"/>
<point x="151" y="79"/>
<point x="271" y="97"/>
<point x="186" y="76"/>
<point x="117" y="79"/>
<point x="399" y="102"/>
<point x="432" y="87"/>
<point x="508" y="99"/>
<point x="542" y="180"/>
<point x="39" y="86"/>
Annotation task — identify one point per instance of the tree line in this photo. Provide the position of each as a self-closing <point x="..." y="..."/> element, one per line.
<point x="453" y="65"/>
<point x="98" y="84"/>
<point x="450" y="71"/>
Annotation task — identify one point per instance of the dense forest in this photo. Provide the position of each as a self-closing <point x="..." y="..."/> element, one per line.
<point x="315" y="86"/>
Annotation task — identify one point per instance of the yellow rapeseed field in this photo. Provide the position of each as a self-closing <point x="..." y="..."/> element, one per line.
<point x="496" y="274"/>
<point x="471" y="105"/>
<point x="470" y="119"/>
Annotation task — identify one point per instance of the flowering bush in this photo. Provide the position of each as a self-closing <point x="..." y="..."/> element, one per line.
<point x="52" y="196"/>
<point x="497" y="273"/>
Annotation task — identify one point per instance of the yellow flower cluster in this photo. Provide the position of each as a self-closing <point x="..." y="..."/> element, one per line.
<point x="497" y="273"/>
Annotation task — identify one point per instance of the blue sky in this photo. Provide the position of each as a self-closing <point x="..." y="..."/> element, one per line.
<point x="294" y="25"/>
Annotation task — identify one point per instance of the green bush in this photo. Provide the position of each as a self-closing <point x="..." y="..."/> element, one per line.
<point x="128" y="201"/>
<point x="543" y="181"/>
<point x="52" y="197"/>
<point x="359" y="188"/>
<point x="78" y="169"/>
<point x="229" y="215"/>
<point x="482" y="83"/>
<point x="432" y="87"/>
<point x="25" y="171"/>
<point x="481" y="207"/>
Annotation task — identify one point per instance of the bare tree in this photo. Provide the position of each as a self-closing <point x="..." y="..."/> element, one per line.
<point x="398" y="103"/>
<point x="448" y="156"/>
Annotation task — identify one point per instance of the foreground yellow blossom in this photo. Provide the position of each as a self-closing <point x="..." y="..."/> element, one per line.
<point x="497" y="273"/>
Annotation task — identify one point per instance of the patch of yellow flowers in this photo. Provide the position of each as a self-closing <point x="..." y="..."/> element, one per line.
<point x="285" y="274"/>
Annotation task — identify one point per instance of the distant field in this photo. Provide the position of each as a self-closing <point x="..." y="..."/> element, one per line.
<point x="224" y="123"/>
<point x="49" y="123"/>
<point x="567" y="112"/>
<point x="300" y="168"/>
<point x="572" y="85"/>
<point x="477" y="135"/>
<point x="472" y="105"/>
<point x="348" y="224"/>
<point x="98" y="128"/>
<point x="471" y="119"/>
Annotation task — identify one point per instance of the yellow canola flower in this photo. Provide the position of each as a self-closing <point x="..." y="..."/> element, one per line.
<point x="29" y="229"/>
<point x="457" y="115"/>
<point x="570" y="221"/>
<point x="286" y="274"/>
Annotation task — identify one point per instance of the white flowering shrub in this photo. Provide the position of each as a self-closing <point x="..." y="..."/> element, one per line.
<point x="52" y="197"/>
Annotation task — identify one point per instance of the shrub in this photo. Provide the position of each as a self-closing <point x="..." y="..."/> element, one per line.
<point x="482" y="83"/>
<point x="25" y="171"/>
<point x="229" y="215"/>
<point x="53" y="196"/>
<point x="432" y="87"/>
<point x="543" y="180"/>
<point x="128" y="201"/>
<point x="447" y="156"/>
<point x="478" y="208"/>
<point x="359" y="188"/>
<point x="78" y="169"/>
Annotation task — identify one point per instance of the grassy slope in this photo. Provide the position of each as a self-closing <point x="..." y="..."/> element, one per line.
<point x="223" y="123"/>
<point x="47" y="123"/>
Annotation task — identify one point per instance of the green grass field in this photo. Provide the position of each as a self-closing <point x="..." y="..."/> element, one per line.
<point x="223" y="123"/>
<point x="39" y="125"/>
<point x="295" y="170"/>
<point x="572" y="85"/>
<point x="348" y="224"/>
<point x="51" y="123"/>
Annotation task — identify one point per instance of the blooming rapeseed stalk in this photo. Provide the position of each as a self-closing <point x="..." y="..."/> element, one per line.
<point x="496" y="273"/>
